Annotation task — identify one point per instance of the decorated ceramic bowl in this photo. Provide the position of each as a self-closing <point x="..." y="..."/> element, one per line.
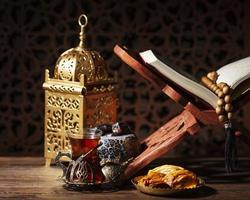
<point x="116" y="152"/>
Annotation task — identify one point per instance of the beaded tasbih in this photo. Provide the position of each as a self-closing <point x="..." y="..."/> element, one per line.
<point x="224" y="107"/>
<point x="224" y="111"/>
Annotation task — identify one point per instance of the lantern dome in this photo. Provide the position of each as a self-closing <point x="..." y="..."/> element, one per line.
<point x="77" y="61"/>
<point x="80" y="60"/>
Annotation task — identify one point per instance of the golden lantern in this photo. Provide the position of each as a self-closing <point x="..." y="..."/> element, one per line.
<point x="81" y="94"/>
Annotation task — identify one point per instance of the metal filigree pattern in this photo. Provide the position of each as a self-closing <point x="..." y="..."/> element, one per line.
<point x="102" y="108"/>
<point x="76" y="61"/>
<point x="61" y="88"/>
<point x="63" y="112"/>
<point x="103" y="89"/>
<point x="56" y="143"/>
<point x="77" y="171"/>
<point x="66" y="67"/>
<point x="62" y="102"/>
<point x="54" y="120"/>
<point x="71" y="121"/>
<point x="58" y="122"/>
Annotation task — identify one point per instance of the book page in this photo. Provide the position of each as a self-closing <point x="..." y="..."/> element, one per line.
<point x="234" y="73"/>
<point x="184" y="82"/>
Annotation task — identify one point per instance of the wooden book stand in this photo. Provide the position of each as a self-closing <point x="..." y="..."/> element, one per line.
<point x="170" y="134"/>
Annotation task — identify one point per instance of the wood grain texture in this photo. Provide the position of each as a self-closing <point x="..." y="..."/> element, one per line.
<point x="28" y="178"/>
<point x="163" y="140"/>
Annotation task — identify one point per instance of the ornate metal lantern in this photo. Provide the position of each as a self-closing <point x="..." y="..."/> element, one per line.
<point x="80" y="94"/>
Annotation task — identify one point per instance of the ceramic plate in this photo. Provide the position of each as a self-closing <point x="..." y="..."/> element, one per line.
<point x="163" y="191"/>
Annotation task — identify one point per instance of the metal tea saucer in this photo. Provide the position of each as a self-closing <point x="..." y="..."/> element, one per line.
<point x="90" y="187"/>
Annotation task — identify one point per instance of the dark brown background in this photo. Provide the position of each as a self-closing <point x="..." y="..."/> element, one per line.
<point x="195" y="36"/>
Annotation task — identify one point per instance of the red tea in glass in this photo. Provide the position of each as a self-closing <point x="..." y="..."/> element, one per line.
<point x="82" y="144"/>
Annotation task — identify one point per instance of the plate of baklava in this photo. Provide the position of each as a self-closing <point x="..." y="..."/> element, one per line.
<point x="166" y="180"/>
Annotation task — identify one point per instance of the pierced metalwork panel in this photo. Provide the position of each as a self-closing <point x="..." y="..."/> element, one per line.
<point x="62" y="113"/>
<point x="63" y="102"/>
<point x="101" y="108"/>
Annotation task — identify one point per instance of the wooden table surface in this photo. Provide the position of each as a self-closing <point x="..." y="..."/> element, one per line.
<point x="28" y="178"/>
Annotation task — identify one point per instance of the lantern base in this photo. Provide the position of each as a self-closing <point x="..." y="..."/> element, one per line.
<point x="47" y="162"/>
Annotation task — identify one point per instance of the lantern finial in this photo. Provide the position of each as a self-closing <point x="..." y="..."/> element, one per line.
<point x="82" y="21"/>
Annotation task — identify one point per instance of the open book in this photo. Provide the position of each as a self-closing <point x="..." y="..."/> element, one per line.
<point x="234" y="74"/>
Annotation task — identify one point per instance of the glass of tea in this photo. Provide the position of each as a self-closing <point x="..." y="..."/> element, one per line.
<point x="85" y="144"/>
